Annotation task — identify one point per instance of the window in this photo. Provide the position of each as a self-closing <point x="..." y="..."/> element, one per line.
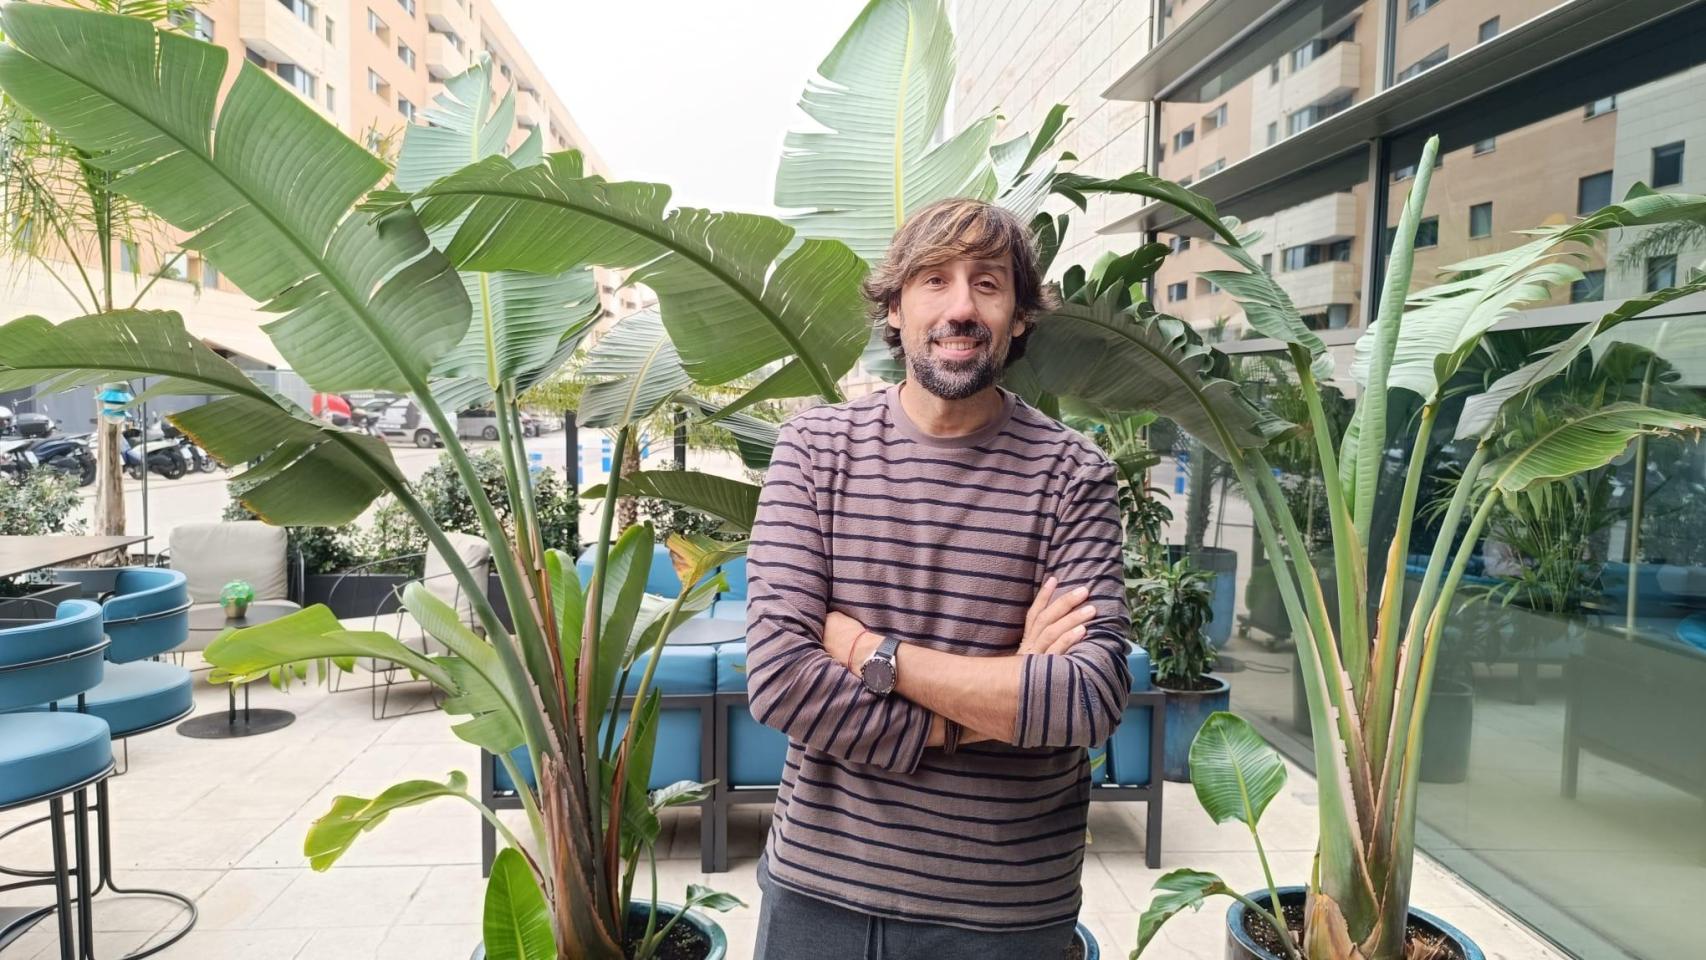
<point x="197" y="24"/>
<point x="1336" y="315"/>
<point x="331" y="31"/>
<point x="129" y="256"/>
<point x="406" y="108"/>
<point x="1488" y="31"/>
<point x="1590" y="287"/>
<point x="1296" y="258"/>
<point x="1486" y="146"/>
<point x="297" y="77"/>
<point x="1308" y="53"/>
<point x="1179" y="244"/>
<point x="1267" y="263"/>
<point x="1661" y="272"/>
<point x="408" y="5"/>
<point x="1601" y="106"/>
<point x="1667" y="165"/>
<point x="1339" y="250"/>
<point x="1178" y="291"/>
<point x="1184" y="138"/>
<point x="1207" y="288"/>
<point x="1416" y="8"/>
<point x="377" y="84"/>
<point x="1592" y="193"/>
<point x="1425" y="64"/>
<point x="377" y="26"/>
<point x="1427" y="233"/>
<point x="1481" y="220"/>
<point x="1160" y="152"/>
<point x="1309" y="116"/>
<point x="1273" y="72"/>
<point x="331" y="98"/>
<point x="302" y="8"/>
<point x="254" y="57"/>
<point x="406" y="55"/>
<point x="1273" y="133"/>
<point x="1184" y="181"/>
<point x="1215" y="120"/>
<point x="173" y="268"/>
<point x="1214" y="167"/>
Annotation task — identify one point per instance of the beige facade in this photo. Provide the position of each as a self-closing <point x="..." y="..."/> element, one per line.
<point x="367" y="66"/>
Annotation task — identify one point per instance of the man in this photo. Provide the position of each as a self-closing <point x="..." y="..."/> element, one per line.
<point x="937" y="620"/>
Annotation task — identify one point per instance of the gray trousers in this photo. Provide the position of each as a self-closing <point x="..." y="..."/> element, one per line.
<point x="793" y="926"/>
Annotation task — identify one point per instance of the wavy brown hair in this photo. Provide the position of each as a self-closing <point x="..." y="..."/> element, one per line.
<point x="959" y="228"/>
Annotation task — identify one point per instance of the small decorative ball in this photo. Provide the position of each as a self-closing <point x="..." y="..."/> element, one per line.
<point x="235" y="597"/>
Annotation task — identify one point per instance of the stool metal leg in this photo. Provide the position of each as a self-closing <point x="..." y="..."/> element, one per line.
<point x="103" y="831"/>
<point x="85" y="887"/>
<point x="61" y="880"/>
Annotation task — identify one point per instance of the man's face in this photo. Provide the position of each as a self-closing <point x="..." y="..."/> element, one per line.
<point x="956" y="325"/>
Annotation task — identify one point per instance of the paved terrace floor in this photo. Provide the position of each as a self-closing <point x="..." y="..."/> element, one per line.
<point x="223" y="821"/>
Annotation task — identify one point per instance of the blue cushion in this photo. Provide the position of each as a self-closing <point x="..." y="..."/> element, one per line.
<point x="1692" y="630"/>
<point x="75" y="629"/>
<point x="731" y="667"/>
<point x="136" y="696"/>
<point x="43" y="754"/>
<point x="683" y="669"/>
<point x="139" y="592"/>
<point x="660" y="579"/>
<point x="735" y="573"/>
<point x="1128" y="749"/>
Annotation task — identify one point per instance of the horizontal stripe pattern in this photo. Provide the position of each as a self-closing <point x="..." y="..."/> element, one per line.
<point x="942" y="543"/>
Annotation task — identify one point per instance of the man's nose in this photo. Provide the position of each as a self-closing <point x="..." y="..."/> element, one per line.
<point x="961" y="306"/>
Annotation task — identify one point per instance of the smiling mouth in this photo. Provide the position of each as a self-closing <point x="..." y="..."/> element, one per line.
<point x="957" y="348"/>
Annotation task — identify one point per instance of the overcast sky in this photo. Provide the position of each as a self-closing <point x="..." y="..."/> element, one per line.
<point x="690" y="93"/>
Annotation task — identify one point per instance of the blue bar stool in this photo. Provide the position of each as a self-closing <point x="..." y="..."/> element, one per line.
<point x="46" y="756"/>
<point x="145" y="616"/>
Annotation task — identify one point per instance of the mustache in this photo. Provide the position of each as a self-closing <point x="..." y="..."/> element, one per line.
<point x="955" y="329"/>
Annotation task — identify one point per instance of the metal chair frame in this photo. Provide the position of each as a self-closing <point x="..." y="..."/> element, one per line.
<point x="384" y="676"/>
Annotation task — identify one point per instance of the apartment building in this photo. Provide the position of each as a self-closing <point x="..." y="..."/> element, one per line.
<point x="371" y="67"/>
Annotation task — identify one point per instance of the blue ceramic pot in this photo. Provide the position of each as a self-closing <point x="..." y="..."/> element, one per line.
<point x="1091" y="950"/>
<point x="1186" y="712"/>
<point x="707" y="928"/>
<point x="1240" y="946"/>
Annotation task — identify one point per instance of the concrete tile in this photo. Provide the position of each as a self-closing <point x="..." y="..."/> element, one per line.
<point x="437" y="942"/>
<point x="343" y="897"/>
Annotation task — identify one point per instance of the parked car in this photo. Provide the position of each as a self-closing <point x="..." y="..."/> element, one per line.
<point x="482" y="424"/>
<point x="402" y="419"/>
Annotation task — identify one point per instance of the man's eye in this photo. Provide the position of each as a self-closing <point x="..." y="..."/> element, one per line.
<point x="935" y="280"/>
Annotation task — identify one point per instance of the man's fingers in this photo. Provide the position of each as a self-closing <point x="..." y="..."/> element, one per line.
<point x="1067" y="641"/>
<point x="1071" y="619"/>
<point x="1062" y="605"/>
<point x="1039" y="604"/>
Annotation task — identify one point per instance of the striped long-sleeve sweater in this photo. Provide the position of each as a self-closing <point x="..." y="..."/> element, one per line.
<point x="942" y="543"/>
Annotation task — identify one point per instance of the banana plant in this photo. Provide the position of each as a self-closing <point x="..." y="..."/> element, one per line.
<point x="419" y="288"/>
<point x="1367" y="674"/>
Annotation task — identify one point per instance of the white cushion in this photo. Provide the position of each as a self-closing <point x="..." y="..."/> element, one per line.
<point x="476" y="554"/>
<point x="214" y="554"/>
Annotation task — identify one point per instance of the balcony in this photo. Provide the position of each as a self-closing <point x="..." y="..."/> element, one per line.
<point x="272" y="30"/>
<point x="1333" y="74"/>
<point x="1322" y="220"/>
<point x="450" y="16"/>
<point x="528" y="112"/>
<point x="1311" y="289"/>
<point x="442" y="58"/>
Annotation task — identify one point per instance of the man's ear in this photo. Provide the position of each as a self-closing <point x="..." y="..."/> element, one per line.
<point x="894" y="313"/>
<point x="1020" y="325"/>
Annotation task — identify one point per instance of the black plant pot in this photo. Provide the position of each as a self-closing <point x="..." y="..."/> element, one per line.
<point x="37" y="604"/>
<point x="1241" y="946"/>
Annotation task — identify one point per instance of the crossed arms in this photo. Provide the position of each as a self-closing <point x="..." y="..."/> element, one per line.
<point x="1065" y="686"/>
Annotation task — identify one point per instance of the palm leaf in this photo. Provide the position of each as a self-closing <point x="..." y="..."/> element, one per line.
<point x="336" y="831"/>
<point x="366" y="303"/>
<point x="732" y="501"/>
<point x="1584" y="442"/>
<point x="1235" y="772"/>
<point x="881" y="94"/>
<point x="517" y="922"/>
<point x="730" y="305"/>
<point x="632" y="371"/>
<point x="308" y="473"/>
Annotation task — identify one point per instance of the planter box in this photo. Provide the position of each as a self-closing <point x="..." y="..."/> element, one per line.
<point x="364" y="595"/>
<point x="37" y="605"/>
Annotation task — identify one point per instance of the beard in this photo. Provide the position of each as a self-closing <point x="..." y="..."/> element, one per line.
<point x="955" y="379"/>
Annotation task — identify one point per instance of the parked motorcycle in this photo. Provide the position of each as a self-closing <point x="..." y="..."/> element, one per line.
<point x="68" y="454"/>
<point x="16" y="459"/>
<point x="194" y="456"/>
<point x="164" y="456"/>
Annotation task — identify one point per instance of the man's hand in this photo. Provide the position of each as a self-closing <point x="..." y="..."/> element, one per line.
<point x="1056" y="622"/>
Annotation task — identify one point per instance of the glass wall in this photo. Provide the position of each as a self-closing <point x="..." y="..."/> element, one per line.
<point x="1430" y="32"/>
<point x="1563" y="773"/>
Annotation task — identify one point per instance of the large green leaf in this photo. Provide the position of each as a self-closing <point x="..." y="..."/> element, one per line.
<point x="633" y="370"/>
<point x="881" y="94"/>
<point x="1267" y="307"/>
<point x="1181" y="890"/>
<point x="483" y="692"/>
<point x="1582" y="442"/>
<point x="336" y="831"/>
<point x="1120" y="363"/>
<point x="731" y="302"/>
<point x="517" y="922"/>
<point x="734" y="501"/>
<point x="1143" y="184"/>
<point x="1480" y="412"/>
<point x="264" y="192"/>
<point x="755" y="438"/>
<point x="1235" y="773"/>
<point x="524" y="318"/>
<point x="312" y="633"/>
<point x="308" y="473"/>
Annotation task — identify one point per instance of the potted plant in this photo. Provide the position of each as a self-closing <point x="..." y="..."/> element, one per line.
<point x="1369" y="680"/>
<point x="1170" y="611"/>
<point x="467" y="290"/>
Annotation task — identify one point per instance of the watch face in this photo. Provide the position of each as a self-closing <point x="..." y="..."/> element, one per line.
<point x="878" y="674"/>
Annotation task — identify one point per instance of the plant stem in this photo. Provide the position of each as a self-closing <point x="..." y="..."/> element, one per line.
<point x="1378" y="697"/>
<point x="1350" y="561"/>
<point x="1638" y="501"/>
<point x="591" y="636"/>
<point x="498" y="825"/>
<point x="528" y="801"/>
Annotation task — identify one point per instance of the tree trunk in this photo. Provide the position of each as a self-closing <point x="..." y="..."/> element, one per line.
<point x="628" y="508"/>
<point x="109" y="489"/>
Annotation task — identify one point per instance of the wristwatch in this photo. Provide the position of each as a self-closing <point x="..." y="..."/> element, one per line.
<point x="880" y="670"/>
